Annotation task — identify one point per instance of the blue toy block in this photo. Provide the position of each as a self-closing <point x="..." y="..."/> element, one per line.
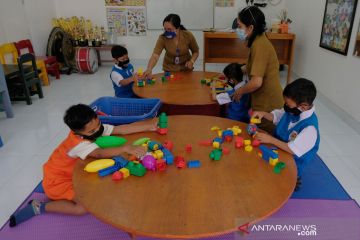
<point x="217" y="139"/>
<point x="168" y="156"/>
<point x="110" y="170"/>
<point x="268" y="153"/>
<point x="122" y="161"/>
<point x="227" y="132"/>
<point x="152" y="144"/>
<point x="193" y="164"/>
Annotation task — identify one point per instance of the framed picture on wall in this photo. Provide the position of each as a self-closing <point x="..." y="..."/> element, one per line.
<point x="337" y="25"/>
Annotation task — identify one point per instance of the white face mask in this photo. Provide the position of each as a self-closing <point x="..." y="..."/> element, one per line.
<point x="241" y="34"/>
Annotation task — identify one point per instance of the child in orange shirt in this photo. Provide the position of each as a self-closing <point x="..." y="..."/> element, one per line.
<point x="57" y="182"/>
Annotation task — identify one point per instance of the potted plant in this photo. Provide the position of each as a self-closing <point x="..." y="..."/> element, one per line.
<point x="284" y="21"/>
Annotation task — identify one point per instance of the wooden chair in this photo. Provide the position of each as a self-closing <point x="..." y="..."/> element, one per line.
<point x="29" y="82"/>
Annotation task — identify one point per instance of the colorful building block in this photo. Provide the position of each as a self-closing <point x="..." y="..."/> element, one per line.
<point x="168" y="144"/>
<point x="273" y="162"/>
<point x="117" y="176"/>
<point x="255" y="143"/>
<point x="248" y="148"/>
<point x="279" y="167"/>
<point x="136" y="169"/>
<point x="122" y="161"/>
<point x="267" y="153"/>
<point x="158" y="154"/>
<point x="162" y="131"/>
<point x="153" y="146"/>
<point x="160" y="165"/>
<point x="206" y="143"/>
<point x="216" y="154"/>
<point x="247" y="142"/>
<point x="225" y="150"/>
<point x="149" y="162"/>
<point x="255" y="120"/>
<point x="125" y="172"/>
<point x="188" y="148"/>
<point x="141" y="141"/>
<point x="193" y="164"/>
<point x="236" y="130"/>
<point x="180" y="162"/>
<point x="168" y="156"/>
<point x="228" y="135"/>
<point x="239" y="142"/>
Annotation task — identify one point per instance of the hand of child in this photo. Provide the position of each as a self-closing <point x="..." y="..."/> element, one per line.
<point x="147" y="74"/>
<point x="264" y="137"/>
<point x="138" y="151"/>
<point x="258" y="114"/>
<point x="236" y="96"/>
<point x="151" y="124"/>
<point x="189" y="65"/>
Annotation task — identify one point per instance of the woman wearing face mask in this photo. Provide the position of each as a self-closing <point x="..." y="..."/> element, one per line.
<point x="178" y="43"/>
<point x="262" y="65"/>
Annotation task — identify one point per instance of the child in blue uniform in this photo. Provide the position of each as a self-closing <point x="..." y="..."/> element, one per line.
<point x="122" y="74"/>
<point x="297" y="130"/>
<point x="236" y="110"/>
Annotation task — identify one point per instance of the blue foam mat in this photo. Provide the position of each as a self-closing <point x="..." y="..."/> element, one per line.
<point x="319" y="183"/>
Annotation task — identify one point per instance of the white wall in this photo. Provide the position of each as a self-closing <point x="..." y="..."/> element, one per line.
<point x="142" y="47"/>
<point x="336" y="76"/>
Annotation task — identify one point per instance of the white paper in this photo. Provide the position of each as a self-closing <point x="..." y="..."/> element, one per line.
<point x="223" y="98"/>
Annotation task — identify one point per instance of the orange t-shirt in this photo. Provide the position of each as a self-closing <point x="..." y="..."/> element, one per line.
<point x="58" y="170"/>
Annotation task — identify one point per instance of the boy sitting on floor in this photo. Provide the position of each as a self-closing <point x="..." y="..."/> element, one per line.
<point x="297" y="130"/>
<point x="57" y="182"/>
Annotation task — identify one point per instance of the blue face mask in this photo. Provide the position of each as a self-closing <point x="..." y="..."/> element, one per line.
<point x="169" y="34"/>
<point x="241" y="34"/>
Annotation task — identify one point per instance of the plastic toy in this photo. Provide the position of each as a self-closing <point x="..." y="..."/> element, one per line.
<point x="163" y="79"/>
<point x="206" y="143"/>
<point x="193" y="164"/>
<point x="203" y="81"/>
<point x="236" y="130"/>
<point x="219" y="132"/>
<point x="217" y="142"/>
<point x="267" y="153"/>
<point x="255" y="143"/>
<point x="141" y="141"/>
<point x="239" y="142"/>
<point x="251" y="129"/>
<point x="125" y="172"/>
<point x="162" y="131"/>
<point x="216" y="154"/>
<point x="163" y="124"/>
<point x="153" y="146"/>
<point x="279" y="167"/>
<point x="188" y="148"/>
<point x="215" y="128"/>
<point x="136" y="169"/>
<point x="168" y="144"/>
<point x="179" y="162"/>
<point x="97" y="165"/>
<point x="122" y="161"/>
<point x="254" y="120"/>
<point x="141" y="83"/>
<point x="247" y="142"/>
<point x="158" y="154"/>
<point x="149" y="162"/>
<point x="273" y="162"/>
<point x="117" y="176"/>
<point x="160" y="165"/>
<point x="110" y="141"/>
<point x="226" y="150"/>
<point x="228" y="135"/>
<point x="248" y="148"/>
<point x="168" y="156"/>
<point x="110" y="170"/>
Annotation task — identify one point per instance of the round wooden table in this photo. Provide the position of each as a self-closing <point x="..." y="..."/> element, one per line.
<point x="211" y="200"/>
<point x="184" y="95"/>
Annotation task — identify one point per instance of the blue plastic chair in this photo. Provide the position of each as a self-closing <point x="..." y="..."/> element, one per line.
<point x="4" y="94"/>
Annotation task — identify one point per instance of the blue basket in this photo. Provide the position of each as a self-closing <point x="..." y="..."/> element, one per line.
<point x="125" y="110"/>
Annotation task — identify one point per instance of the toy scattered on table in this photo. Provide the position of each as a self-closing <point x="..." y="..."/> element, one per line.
<point x="168" y="156"/>
<point x="109" y="170"/>
<point x="251" y="129"/>
<point x="216" y="154"/>
<point x="188" y="148"/>
<point x="160" y="165"/>
<point x="206" y="143"/>
<point x="255" y="143"/>
<point x="150" y="81"/>
<point x="248" y="148"/>
<point x="215" y="128"/>
<point x="153" y="145"/>
<point x="149" y="162"/>
<point x="217" y="142"/>
<point x="225" y="150"/>
<point x="228" y="135"/>
<point x="163" y="124"/>
<point x="158" y="154"/>
<point x="168" y="144"/>
<point x="239" y="142"/>
<point x="125" y="172"/>
<point x="117" y="176"/>
<point x="255" y="120"/>
<point x="110" y="141"/>
<point x="136" y="169"/>
<point x="99" y="164"/>
<point x="269" y="155"/>
<point x="141" y="141"/>
<point x="122" y="161"/>
<point x="180" y="162"/>
<point x="279" y="167"/>
<point x="193" y="164"/>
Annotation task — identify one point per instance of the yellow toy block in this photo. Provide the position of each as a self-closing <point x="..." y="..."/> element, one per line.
<point x="144" y="145"/>
<point x="247" y="142"/>
<point x="248" y="148"/>
<point x="220" y="133"/>
<point x="255" y="120"/>
<point x="216" y="145"/>
<point x="158" y="154"/>
<point x="215" y="128"/>
<point x="136" y="162"/>
<point x="236" y="130"/>
<point x="273" y="162"/>
<point x="260" y="154"/>
<point x="125" y="172"/>
<point x="140" y="72"/>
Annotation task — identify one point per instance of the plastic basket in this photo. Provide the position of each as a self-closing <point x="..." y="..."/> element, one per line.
<point x="125" y="110"/>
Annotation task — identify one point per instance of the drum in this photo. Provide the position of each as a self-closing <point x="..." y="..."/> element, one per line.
<point x="86" y="60"/>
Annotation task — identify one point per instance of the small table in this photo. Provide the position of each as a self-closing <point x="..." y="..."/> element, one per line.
<point x="184" y="95"/>
<point x="212" y="200"/>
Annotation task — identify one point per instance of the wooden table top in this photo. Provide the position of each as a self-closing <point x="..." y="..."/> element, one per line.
<point x="187" y="90"/>
<point x="211" y="200"/>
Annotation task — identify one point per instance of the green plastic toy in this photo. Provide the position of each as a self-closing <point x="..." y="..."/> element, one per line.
<point x="163" y="120"/>
<point x="110" y="141"/>
<point x="216" y="154"/>
<point x="136" y="169"/>
<point x="278" y="167"/>
<point x="141" y="141"/>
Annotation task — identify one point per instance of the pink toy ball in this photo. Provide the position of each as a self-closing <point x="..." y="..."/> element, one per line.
<point x="149" y="162"/>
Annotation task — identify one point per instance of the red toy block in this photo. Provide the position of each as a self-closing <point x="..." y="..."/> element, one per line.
<point x="239" y="142"/>
<point x="180" y="162"/>
<point x="168" y="144"/>
<point x="188" y="148"/>
<point x="162" y="131"/>
<point x="206" y="143"/>
<point x="256" y="143"/>
<point x="117" y="176"/>
<point x="160" y="165"/>
<point x="228" y="138"/>
<point x="225" y="150"/>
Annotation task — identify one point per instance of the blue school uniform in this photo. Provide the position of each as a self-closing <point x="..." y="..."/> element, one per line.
<point x="239" y="111"/>
<point x="123" y="91"/>
<point x="284" y="134"/>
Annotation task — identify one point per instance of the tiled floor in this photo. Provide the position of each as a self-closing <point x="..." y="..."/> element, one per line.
<point x="36" y="130"/>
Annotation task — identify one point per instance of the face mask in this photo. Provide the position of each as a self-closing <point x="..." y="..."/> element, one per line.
<point x="241" y="34"/>
<point x="95" y="135"/>
<point x="294" y="111"/>
<point x="123" y="63"/>
<point x="169" y="34"/>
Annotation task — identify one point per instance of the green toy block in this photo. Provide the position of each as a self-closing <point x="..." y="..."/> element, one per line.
<point x="141" y="141"/>
<point x="203" y="81"/>
<point x="162" y="125"/>
<point x="278" y="167"/>
<point x="163" y="117"/>
<point x="136" y="169"/>
<point x="216" y="154"/>
<point x="163" y="79"/>
<point x="110" y="141"/>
